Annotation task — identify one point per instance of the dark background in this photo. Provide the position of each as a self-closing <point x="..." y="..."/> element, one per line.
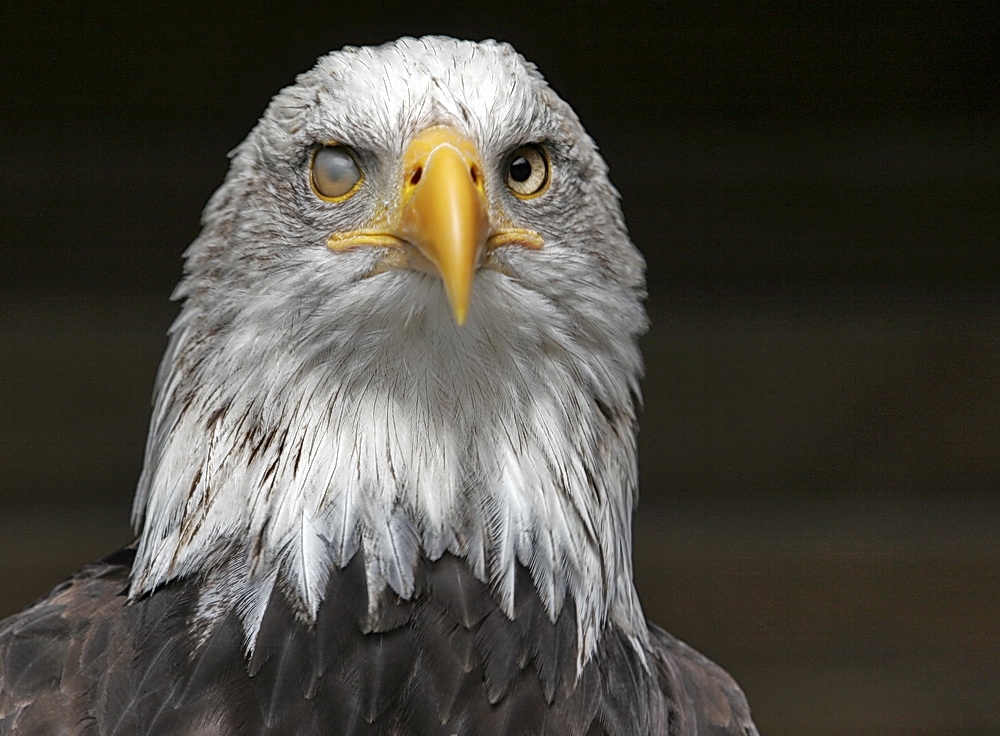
<point x="815" y="187"/>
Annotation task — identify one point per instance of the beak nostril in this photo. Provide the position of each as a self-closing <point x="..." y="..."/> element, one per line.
<point x="474" y="173"/>
<point x="415" y="176"/>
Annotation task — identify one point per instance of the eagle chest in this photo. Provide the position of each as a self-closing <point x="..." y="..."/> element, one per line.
<point x="447" y="661"/>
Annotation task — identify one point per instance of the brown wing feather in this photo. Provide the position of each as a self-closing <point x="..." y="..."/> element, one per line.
<point x="700" y="698"/>
<point x="54" y="651"/>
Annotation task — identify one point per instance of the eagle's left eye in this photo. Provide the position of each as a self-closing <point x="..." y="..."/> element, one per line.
<point x="527" y="173"/>
<point x="335" y="173"/>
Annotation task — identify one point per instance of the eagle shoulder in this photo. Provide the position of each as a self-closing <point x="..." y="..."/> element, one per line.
<point x="700" y="698"/>
<point x="54" y="651"/>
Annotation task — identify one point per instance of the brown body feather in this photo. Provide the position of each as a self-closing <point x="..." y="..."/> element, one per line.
<point x="82" y="661"/>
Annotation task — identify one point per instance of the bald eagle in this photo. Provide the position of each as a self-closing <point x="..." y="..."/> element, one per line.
<point x="391" y="468"/>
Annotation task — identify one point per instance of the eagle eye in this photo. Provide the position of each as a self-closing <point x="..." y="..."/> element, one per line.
<point x="527" y="172"/>
<point x="335" y="173"/>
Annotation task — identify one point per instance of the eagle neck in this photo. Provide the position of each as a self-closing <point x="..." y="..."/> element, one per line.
<point x="273" y="466"/>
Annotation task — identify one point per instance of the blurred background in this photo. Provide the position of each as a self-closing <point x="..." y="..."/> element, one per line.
<point x="816" y="187"/>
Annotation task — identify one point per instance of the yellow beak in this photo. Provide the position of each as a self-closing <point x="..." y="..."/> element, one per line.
<point x="444" y="211"/>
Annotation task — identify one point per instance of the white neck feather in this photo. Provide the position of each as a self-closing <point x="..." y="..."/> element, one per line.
<point x="504" y="442"/>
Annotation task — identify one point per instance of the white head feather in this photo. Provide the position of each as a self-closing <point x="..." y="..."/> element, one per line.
<point x="306" y="411"/>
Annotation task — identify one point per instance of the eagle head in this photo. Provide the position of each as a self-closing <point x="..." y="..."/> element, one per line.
<point x="409" y="328"/>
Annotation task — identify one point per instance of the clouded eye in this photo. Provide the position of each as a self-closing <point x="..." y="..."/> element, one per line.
<point x="528" y="171"/>
<point x="335" y="173"/>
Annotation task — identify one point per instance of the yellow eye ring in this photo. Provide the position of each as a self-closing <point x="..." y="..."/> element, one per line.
<point x="334" y="172"/>
<point x="528" y="171"/>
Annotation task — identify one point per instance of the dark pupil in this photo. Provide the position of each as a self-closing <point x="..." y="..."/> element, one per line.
<point x="520" y="169"/>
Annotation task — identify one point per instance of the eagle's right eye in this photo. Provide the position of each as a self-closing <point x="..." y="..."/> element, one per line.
<point x="335" y="173"/>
